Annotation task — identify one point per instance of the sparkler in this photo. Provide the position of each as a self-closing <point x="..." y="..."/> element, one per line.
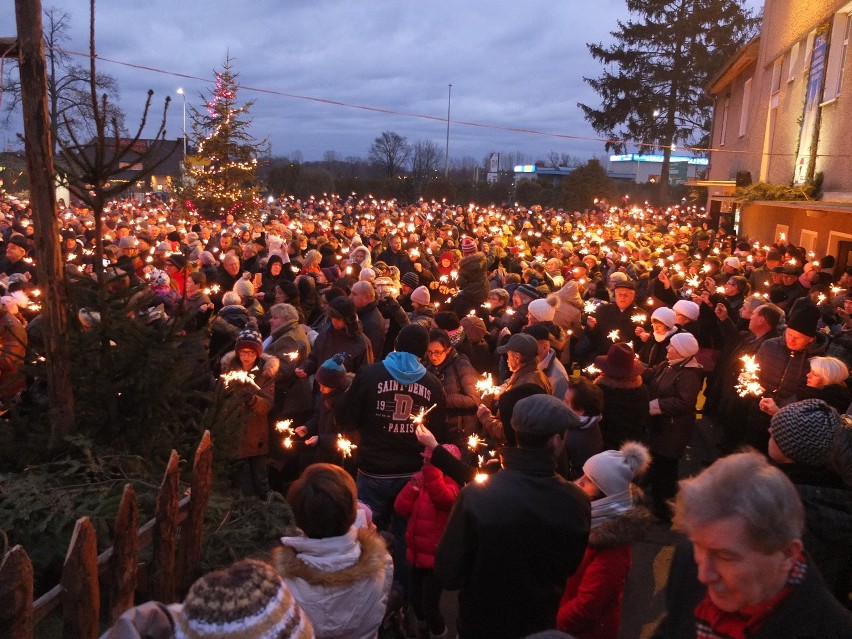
<point x="241" y="377"/>
<point x="590" y="307"/>
<point x="748" y="382"/>
<point x="591" y="369"/>
<point x="474" y="442"/>
<point x="638" y="318"/>
<point x="345" y="446"/>
<point x="293" y="355"/>
<point x="286" y="428"/>
<point x="418" y="418"/>
<point x="613" y="335"/>
<point x="486" y="386"/>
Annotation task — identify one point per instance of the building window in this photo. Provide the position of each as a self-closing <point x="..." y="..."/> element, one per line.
<point x="723" y="131"/>
<point x="776" y="75"/>
<point x="838" y="47"/>
<point x="794" y="60"/>
<point x="744" y="112"/>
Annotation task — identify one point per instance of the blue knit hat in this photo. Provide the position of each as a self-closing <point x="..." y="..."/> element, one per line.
<point x="332" y="373"/>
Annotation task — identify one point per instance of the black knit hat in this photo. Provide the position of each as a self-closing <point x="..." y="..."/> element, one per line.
<point x="343" y="308"/>
<point x="414" y="339"/>
<point x="804" y="320"/>
<point x="804" y="431"/>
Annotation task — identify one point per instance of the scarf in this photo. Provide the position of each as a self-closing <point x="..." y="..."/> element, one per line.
<point x="666" y="335"/>
<point x="713" y="623"/>
<point x="612" y="507"/>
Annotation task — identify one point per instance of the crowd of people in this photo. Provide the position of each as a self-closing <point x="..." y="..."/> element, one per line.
<point x="507" y="395"/>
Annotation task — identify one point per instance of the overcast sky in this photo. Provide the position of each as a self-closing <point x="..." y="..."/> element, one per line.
<point x="517" y="65"/>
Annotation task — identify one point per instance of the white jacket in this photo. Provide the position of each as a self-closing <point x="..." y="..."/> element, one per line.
<point x="342" y="583"/>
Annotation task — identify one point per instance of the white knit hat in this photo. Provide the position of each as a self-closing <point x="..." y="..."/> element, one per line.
<point x="543" y="310"/>
<point x="685" y="307"/>
<point x="684" y="343"/>
<point x="665" y="315"/>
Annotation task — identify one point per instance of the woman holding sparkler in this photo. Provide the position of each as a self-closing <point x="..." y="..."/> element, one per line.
<point x="248" y="377"/>
<point x="458" y="377"/>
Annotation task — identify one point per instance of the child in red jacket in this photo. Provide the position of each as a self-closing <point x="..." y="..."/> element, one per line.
<point x="426" y="500"/>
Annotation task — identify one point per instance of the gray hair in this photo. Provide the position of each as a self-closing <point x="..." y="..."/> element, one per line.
<point x="743" y="485"/>
<point x="286" y="312"/>
<point x="831" y="369"/>
<point x="231" y="298"/>
<point x="364" y="288"/>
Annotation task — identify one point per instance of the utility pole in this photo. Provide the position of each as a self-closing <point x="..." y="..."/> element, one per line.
<point x="447" y="148"/>
<point x="49" y="264"/>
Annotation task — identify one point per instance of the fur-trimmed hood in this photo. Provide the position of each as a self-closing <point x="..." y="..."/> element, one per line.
<point x="625" y="529"/>
<point x="370" y="562"/>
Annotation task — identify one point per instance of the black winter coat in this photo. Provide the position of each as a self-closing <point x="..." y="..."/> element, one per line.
<point x="510" y="544"/>
<point x="331" y="341"/>
<point x="674" y="388"/>
<point x="625" y="410"/>
<point x="458" y="377"/>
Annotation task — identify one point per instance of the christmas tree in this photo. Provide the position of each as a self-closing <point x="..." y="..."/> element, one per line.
<point x="223" y="171"/>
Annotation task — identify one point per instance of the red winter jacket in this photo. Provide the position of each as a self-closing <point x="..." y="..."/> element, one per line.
<point x="428" y="509"/>
<point x="591" y="604"/>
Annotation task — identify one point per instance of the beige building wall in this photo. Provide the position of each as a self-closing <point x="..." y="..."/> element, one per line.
<point x="769" y="147"/>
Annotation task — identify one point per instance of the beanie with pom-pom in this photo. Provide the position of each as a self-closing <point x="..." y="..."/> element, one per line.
<point x="543" y="310"/>
<point x="613" y="470"/>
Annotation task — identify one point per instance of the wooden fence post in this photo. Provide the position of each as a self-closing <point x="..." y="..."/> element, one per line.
<point x="121" y="577"/>
<point x="81" y="605"/>
<point x="16" y="594"/>
<point x="165" y="535"/>
<point x="193" y="531"/>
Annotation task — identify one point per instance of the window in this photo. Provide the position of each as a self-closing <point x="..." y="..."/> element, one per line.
<point x="723" y="131"/>
<point x="744" y="112"/>
<point x="794" y="60"/>
<point x="776" y="75"/>
<point x="838" y="47"/>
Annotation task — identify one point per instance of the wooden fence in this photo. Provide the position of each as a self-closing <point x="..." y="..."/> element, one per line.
<point x="86" y="574"/>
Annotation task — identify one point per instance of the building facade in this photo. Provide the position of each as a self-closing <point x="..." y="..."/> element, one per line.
<point x="783" y="115"/>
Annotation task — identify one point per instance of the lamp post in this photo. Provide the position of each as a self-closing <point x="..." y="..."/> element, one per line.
<point x="183" y="95"/>
<point x="447" y="148"/>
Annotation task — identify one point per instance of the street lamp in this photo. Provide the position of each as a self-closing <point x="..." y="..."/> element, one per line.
<point x="183" y="95"/>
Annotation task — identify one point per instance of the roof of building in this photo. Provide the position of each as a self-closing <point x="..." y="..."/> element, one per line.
<point x="739" y="61"/>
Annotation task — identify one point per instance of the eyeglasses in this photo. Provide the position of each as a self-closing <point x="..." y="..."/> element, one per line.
<point x="436" y="353"/>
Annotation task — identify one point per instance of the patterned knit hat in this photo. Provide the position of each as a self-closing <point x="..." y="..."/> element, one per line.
<point x="411" y="279"/>
<point x="249" y="339"/>
<point x="468" y="246"/>
<point x="249" y="600"/>
<point x="332" y="373"/>
<point x="804" y="431"/>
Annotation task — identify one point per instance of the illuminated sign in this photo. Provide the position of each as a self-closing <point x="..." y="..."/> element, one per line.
<point x="525" y="168"/>
<point x="635" y="157"/>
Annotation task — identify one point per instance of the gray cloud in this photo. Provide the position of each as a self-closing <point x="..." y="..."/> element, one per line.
<point x="511" y="64"/>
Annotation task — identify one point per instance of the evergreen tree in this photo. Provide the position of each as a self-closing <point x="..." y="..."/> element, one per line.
<point x="585" y="185"/>
<point x="652" y="91"/>
<point x="223" y="170"/>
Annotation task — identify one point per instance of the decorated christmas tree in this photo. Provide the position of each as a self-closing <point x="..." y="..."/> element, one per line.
<point x="223" y="171"/>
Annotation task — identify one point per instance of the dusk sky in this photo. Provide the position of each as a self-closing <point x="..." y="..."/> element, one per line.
<point x="515" y="65"/>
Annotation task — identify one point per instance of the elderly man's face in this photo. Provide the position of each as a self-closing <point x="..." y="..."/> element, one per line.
<point x="795" y="340"/>
<point x="736" y="573"/>
<point x="232" y="266"/>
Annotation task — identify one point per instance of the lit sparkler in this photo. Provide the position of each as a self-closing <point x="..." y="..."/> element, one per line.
<point x="613" y="335"/>
<point x="748" y="382"/>
<point x="591" y="369"/>
<point x="293" y="355"/>
<point x="638" y="318"/>
<point x="418" y="418"/>
<point x="474" y="442"/>
<point x="345" y="446"/>
<point x="242" y="377"/>
<point x="486" y="386"/>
